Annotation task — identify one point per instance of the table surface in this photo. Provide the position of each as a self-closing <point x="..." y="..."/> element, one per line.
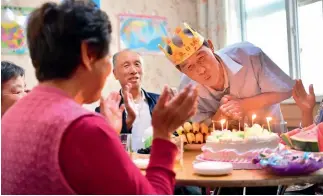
<point x="238" y="178"/>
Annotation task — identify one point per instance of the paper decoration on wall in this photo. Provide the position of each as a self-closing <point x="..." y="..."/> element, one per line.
<point x="141" y="33"/>
<point x="13" y="25"/>
<point x="97" y="3"/>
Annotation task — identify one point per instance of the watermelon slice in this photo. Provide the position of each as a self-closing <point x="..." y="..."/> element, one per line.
<point x="286" y="136"/>
<point x="309" y="127"/>
<point x="306" y="140"/>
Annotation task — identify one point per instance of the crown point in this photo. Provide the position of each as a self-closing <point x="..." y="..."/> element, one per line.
<point x="162" y="49"/>
<point x="178" y="30"/>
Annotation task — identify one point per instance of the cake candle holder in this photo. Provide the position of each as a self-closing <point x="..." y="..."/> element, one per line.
<point x="222" y="122"/>
<point x="268" y="122"/>
<point x="253" y="117"/>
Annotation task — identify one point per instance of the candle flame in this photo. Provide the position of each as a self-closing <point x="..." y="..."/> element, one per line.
<point x="269" y="118"/>
<point x="254" y="116"/>
<point x="222" y="121"/>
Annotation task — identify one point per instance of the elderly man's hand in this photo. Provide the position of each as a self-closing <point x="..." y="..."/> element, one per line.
<point x="129" y="105"/>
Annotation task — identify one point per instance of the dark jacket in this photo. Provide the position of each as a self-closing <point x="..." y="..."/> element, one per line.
<point x="151" y="100"/>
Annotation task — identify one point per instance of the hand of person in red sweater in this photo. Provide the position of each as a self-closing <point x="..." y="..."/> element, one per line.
<point x="111" y="110"/>
<point x="171" y="112"/>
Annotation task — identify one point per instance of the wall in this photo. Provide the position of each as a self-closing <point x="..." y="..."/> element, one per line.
<point x="292" y="114"/>
<point x="158" y="70"/>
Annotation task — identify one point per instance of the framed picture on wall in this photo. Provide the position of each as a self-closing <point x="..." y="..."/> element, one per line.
<point x="13" y="25"/>
<point x="141" y="33"/>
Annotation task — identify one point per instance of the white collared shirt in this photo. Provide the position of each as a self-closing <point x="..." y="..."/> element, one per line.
<point x="141" y="123"/>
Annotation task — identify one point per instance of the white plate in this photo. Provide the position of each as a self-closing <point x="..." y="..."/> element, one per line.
<point x="193" y="146"/>
<point x="141" y="163"/>
<point x="211" y="168"/>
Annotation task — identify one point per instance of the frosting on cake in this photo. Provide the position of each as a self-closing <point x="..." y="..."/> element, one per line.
<point x="237" y="146"/>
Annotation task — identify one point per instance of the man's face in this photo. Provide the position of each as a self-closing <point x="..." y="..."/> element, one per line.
<point x="128" y="68"/>
<point x="12" y="90"/>
<point x="202" y="67"/>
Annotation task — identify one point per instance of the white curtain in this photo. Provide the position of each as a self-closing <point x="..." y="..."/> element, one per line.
<point x="219" y="21"/>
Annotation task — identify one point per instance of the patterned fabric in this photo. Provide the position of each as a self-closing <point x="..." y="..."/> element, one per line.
<point x="319" y="117"/>
<point x="31" y="134"/>
<point x="250" y="73"/>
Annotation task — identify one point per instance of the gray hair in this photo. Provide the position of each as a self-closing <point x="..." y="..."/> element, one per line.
<point x="115" y="56"/>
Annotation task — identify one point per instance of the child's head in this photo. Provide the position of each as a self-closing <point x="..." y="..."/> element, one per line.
<point x="193" y="55"/>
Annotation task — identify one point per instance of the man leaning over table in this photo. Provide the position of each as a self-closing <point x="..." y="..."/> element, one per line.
<point x="236" y="81"/>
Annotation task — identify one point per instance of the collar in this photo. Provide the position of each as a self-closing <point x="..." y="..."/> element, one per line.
<point x="143" y="95"/>
<point x="231" y="66"/>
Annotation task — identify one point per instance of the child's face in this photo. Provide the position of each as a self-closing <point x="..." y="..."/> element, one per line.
<point x="202" y="67"/>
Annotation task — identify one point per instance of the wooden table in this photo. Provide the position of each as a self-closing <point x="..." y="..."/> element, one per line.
<point x="238" y="178"/>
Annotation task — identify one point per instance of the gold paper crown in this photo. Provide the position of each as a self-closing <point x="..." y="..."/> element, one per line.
<point x="189" y="47"/>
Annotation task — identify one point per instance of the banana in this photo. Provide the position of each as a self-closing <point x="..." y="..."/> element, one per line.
<point x="199" y="138"/>
<point x="183" y="138"/>
<point x="188" y="127"/>
<point x="190" y="138"/>
<point x="204" y="129"/>
<point x="196" y="127"/>
<point x="180" y="130"/>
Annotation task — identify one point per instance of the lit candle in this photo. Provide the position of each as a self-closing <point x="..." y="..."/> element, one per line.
<point x="213" y="125"/>
<point x="268" y="122"/>
<point x="222" y="122"/>
<point x="227" y="124"/>
<point x="253" y="118"/>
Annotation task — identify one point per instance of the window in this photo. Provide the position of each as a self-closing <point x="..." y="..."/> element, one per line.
<point x="310" y="25"/>
<point x="290" y="32"/>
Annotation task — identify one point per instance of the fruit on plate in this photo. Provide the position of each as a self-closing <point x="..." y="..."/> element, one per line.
<point x="144" y="151"/>
<point x="180" y="130"/>
<point x="190" y="138"/>
<point x="195" y="127"/>
<point x="188" y="127"/>
<point x="199" y="138"/>
<point x="306" y="140"/>
<point x="184" y="138"/>
<point x="193" y="133"/>
<point x="286" y="136"/>
<point x="204" y="129"/>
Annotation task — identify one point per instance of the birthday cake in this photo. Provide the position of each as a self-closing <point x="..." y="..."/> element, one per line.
<point x="239" y="146"/>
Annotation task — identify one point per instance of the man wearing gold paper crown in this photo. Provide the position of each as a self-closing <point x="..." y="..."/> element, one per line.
<point x="239" y="79"/>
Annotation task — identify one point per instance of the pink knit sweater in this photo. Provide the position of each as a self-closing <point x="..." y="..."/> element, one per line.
<point x="51" y="145"/>
<point x="31" y="141"/>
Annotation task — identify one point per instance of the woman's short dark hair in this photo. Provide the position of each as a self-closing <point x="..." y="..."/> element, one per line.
<point x="10" y="70"/>
<point x="55" y="33"/>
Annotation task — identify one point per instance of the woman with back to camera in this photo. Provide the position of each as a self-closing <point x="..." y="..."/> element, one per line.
<point x="51" y="144"/>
